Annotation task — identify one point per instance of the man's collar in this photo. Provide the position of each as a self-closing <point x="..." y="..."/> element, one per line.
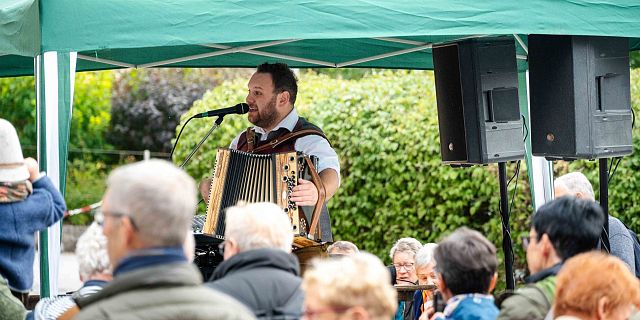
<point x="289" y="122"/>
<point x="542" y="274"/>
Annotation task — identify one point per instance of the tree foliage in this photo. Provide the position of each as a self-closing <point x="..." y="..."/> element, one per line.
<point x="147" y="104"/>
<point x="90" y="117"/>
<point x="18" y="106"/>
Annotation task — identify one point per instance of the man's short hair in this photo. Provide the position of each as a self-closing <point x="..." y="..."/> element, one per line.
<point x="283" y="78"/>
<point x="341" y="247"/>
<point x="576" y="182"/>
<point x="259" y="225"/>
<point x="159" y="198"/>
<point x="425" y="254"/>
<point x="572" y="225"/>
<point x="409" y="245"/>
<point x="91" y="251"/>
<point x="466" y="261"/>
<point x="356" y="280"/>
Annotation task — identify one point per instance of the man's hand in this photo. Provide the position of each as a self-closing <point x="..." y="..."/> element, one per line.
<point x="305" y="193"/>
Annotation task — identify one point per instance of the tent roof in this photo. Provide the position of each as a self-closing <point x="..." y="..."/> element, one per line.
<point x="304" y="33"/>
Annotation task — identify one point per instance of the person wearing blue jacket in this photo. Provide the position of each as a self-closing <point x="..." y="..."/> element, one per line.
<point x="29" y="202"/>
<point x="466" y="266"/>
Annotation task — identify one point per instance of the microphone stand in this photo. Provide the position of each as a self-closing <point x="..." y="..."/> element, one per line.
<point x="215" y="125"/>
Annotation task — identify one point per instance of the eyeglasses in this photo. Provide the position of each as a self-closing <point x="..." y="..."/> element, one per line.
<point x="406" y="266"/>
<point x="99" y="217"/>
<point x="310" y="314"/>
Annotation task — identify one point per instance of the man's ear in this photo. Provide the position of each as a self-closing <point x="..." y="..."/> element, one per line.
<point x="579" y="195"/>
<point x="284" y="98"/>
<point x="546" y="245"/>
<point x="440" y="282"/>
<point x="602" y="310"/>
<point x="492" y="284"/>
<point x="442" y="286"/>
<point x="130" y="234"/>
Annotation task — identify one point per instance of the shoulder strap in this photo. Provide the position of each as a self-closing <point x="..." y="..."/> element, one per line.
<point x="251" y="139"/>
<point x="289" y="136"/>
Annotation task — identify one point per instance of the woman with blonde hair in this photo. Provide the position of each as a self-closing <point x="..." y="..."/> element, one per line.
<point x="357" y="286"/>
<point x="595" y="286"/>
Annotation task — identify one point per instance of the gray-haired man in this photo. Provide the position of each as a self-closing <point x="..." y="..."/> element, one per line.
<point x="147" y="210"/>
<point x="620" y="241"/>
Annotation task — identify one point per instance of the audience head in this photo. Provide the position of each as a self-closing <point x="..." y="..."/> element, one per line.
<point x="340" y="248"/>
<point x="354" y="287"/>
<point x="561" y="229"/>
<point x="403" y="255"/>
<point x="91" y="252"/>
<point x="573" y="184"/>
<point x="256" y="226"/>
<point x="594" y="285"/>
<point x="12" y="165"/>
<point x="147" y="204"/>
<point x="425" y="264"/>
<point x="466" y="262"/>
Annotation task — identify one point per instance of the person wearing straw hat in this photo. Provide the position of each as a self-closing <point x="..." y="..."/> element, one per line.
<point x="28" y="202"/>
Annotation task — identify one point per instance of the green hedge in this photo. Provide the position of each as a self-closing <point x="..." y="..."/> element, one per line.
<point x="384" y="128"/>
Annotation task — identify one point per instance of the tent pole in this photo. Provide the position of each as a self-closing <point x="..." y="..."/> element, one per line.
<point x="55" y="74"/>
<point x="539" y="169"/>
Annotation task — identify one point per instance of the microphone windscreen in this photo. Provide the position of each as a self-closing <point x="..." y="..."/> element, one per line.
<point x="242" y="108"/>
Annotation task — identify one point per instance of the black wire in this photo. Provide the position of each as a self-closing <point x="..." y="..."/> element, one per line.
<point x="524" y="126"/>
<point x="178" y="138"/>
<point x="614" y="170"/>
<point x="515" y="175"/>
<point x="633" y="119"/>
<point x="515" y="188"/>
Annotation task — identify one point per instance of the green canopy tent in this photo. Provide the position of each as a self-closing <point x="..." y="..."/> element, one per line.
<point x="54" y="39"/>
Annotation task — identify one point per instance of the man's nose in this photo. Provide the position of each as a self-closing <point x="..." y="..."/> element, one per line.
<point x="249" y="99"/>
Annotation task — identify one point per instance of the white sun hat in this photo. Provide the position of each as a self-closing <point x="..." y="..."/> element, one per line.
<point x="12" y="167"/>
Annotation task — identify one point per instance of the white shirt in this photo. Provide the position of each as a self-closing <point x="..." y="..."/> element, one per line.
<point x="312" y="144"/>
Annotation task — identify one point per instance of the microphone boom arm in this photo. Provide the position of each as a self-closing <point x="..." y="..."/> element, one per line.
<point x="215" y="125"/>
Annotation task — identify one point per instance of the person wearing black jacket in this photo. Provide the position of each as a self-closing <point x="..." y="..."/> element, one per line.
<point x="258" y="268"/>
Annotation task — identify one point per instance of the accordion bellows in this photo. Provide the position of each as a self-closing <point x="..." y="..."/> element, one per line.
<point x="241" y="176"/>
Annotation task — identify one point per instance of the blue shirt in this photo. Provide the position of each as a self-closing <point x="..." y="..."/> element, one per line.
<point x="472" y="306"/>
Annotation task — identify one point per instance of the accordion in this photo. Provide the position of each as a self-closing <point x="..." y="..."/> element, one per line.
<point x="241" y="176"/>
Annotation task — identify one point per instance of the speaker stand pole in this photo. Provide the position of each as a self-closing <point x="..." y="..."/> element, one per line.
<point x="506" y="229"/>
<point x="604" y="201"/>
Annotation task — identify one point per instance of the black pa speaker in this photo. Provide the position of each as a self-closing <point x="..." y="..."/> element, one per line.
<point x="580" y="98"/>
<point x="478" y="106"/>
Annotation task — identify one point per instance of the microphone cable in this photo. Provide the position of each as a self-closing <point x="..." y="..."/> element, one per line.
<point x="178" y="138"/>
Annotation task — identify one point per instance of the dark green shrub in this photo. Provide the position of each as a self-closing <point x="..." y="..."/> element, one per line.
<point x="86" y="183"/>
<point x="148" y="103"/>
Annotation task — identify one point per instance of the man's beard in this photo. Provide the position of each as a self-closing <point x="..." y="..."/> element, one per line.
<point x="269" y="113"/>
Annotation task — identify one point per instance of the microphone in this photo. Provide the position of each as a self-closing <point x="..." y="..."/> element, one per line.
<point x="240" y="108"/>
